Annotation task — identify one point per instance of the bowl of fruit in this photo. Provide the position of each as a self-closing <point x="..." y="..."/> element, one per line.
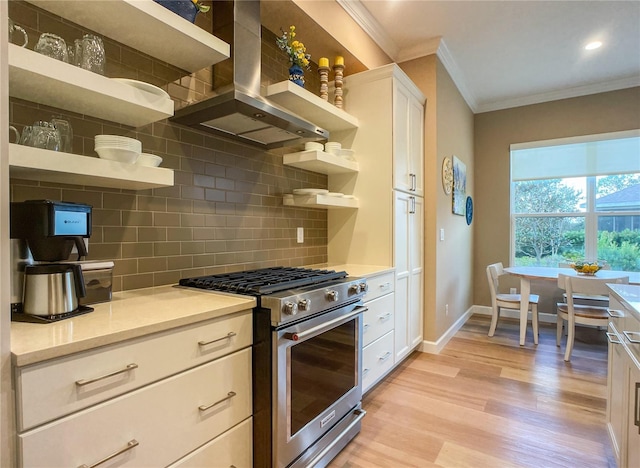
<point x="586" y="268"/>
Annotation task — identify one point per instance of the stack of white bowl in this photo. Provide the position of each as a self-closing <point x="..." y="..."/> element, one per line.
<point x="332" y="147"/>
<point x="313" y="146"/>
<point x="118" y="148"/>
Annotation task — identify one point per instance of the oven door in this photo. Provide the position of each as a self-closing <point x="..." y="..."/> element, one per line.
<point x="317" y="381"/>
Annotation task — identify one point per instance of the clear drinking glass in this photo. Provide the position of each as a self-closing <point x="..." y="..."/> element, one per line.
<point x="45" y="135"/>
<point x="52" y="46"/>
<point x="13" y="28"/>
<point x="65" y="131"/>
<point x="89" y="53"/>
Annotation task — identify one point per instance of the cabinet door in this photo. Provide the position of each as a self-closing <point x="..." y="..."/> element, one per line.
<point x="402" y="179"/>
<point x="415" y="126"/>
<point x="633" y="426"/>
<point x="408" y="146"/>
<point x="408" y="241"/>
<point x="416" y="262"/>
<point x="616" y="384"/>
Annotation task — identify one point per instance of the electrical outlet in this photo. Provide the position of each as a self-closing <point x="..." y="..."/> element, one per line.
<point x="513" y="291"/>
<point x="300" y="235"/>
<point x="441" y="234"/>
<point x="446" y="309"/>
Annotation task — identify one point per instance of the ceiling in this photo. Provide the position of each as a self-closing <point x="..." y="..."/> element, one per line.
<point x="508" y="53"/>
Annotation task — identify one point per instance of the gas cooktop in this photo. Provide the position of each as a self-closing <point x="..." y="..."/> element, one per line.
<point x="263" y="281"/>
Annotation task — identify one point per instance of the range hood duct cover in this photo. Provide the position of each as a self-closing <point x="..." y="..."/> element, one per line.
<point x="239" y="110"/>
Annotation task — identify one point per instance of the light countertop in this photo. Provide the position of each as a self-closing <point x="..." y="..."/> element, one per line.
<point x="130" y="314"/>
<point x="629" y="294"/>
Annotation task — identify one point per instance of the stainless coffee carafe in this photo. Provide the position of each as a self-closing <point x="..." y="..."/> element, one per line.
<point x="52" y="289"/>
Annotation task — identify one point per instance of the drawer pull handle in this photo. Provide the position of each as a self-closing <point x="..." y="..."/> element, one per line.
<point x="385" y="316"/>
<point x="615" y="313"/>
<point x="82" y="382"/>
<point x="131" y="444"/>
<point x="385" y="286"/>
<point x="385" y="356"/>
<point x="630" y="334"/>
<point x="636" y="409"/>
<point x="226" y="337"/>
<point x="365" y="371"/>
<point x="229" y="396"/>
<point x="613" y="338"/>
<point x="365" y="327"/>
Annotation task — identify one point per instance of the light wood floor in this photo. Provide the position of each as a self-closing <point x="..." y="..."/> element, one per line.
<point x="487" y="402"/>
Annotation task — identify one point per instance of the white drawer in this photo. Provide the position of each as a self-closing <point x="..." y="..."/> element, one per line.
<point x="378" y="320"/>
<point x="379" y="285"/>
<point x="165" y="418"/>
<point x="49" y="390"/>
<point x="377" y="360"/>
<point x="233" y="448"/>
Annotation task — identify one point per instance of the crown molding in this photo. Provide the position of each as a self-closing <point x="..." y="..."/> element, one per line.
<point x="560" y="94"/>
<point x="456" y="75"/>
<point x="371" y="27"/>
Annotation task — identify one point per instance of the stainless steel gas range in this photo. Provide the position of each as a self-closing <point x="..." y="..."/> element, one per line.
<point x="307" y="359"/>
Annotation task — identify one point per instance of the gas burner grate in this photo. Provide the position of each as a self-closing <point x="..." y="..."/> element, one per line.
<point x="263" y="281"/>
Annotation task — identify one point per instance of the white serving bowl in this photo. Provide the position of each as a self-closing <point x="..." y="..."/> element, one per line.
<point x="147" y="159"/>
<point x="118" y="154"/>
<point x="313" y="146"/>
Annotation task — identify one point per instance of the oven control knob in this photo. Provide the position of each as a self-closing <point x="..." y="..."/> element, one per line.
<point x="304" y="304"/>
<point x="354" y="289"/>
<point x="290" y="308"/>
<point x="332" y="296"/>
<point x="364" y="287"/>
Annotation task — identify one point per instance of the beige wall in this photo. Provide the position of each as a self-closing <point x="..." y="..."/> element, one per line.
<point x="448" y="263"/>
<point x="495" y="131"/>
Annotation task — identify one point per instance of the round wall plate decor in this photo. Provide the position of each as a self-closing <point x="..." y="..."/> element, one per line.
<point x="447" y="175"/>
<point x="469" y="210"/>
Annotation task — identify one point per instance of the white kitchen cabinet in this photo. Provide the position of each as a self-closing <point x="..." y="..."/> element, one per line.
<point x="409" y="226"/>
<point x="623" y="385"/>
<point x="156" y="398"/>
<point x="378" y="325"/>
<point x="408" y="145"/>
<point x="388" y="228"/>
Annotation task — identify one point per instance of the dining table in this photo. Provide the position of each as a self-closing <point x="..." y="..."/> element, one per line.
<point x="528" y="273"/>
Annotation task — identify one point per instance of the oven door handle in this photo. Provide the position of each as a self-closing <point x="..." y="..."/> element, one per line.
<point x="297" y="336"/>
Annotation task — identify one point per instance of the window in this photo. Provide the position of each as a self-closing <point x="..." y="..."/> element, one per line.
<point x="577" y="199"/>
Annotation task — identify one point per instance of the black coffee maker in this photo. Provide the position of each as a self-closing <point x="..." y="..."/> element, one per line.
<point x="44" y="287"/>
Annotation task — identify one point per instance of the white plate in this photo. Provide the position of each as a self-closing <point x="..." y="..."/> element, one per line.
<point x="310" y="191"/>
<point x="148" y="87"/>
<point x="335" y="194"/>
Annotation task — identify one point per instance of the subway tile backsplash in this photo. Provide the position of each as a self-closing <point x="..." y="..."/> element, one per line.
<point x="225" y="210"/>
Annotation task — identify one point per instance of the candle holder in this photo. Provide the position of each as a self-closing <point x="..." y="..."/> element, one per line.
<point x="324" y="82"/>
<point x="338" y="71"/>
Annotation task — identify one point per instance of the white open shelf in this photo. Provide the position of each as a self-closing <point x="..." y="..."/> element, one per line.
<point x="146" y="26"/>
<point x="37" y="78"/>
<point x="321" y="162"/>
<point x="320" y="201"/>
<point x="30" y="163"/>
<point x="311" y="107"/>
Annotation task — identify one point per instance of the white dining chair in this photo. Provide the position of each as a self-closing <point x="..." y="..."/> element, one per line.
<point x="508" y="301"/>
<point x="574" y="313"/>
<point x="587" y="299"/>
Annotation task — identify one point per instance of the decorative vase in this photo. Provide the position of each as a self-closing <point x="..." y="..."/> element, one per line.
<point x="184" y="8"/>
<point x="296" y="74"/>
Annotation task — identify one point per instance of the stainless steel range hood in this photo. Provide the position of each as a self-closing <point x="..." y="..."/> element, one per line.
<point x="239" y="110"/>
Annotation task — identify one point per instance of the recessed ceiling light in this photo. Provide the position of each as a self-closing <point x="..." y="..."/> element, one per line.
<point x="593" y="45"/>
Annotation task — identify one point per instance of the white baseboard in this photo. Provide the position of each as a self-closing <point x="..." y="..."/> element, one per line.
<point x="434" y="347"/>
